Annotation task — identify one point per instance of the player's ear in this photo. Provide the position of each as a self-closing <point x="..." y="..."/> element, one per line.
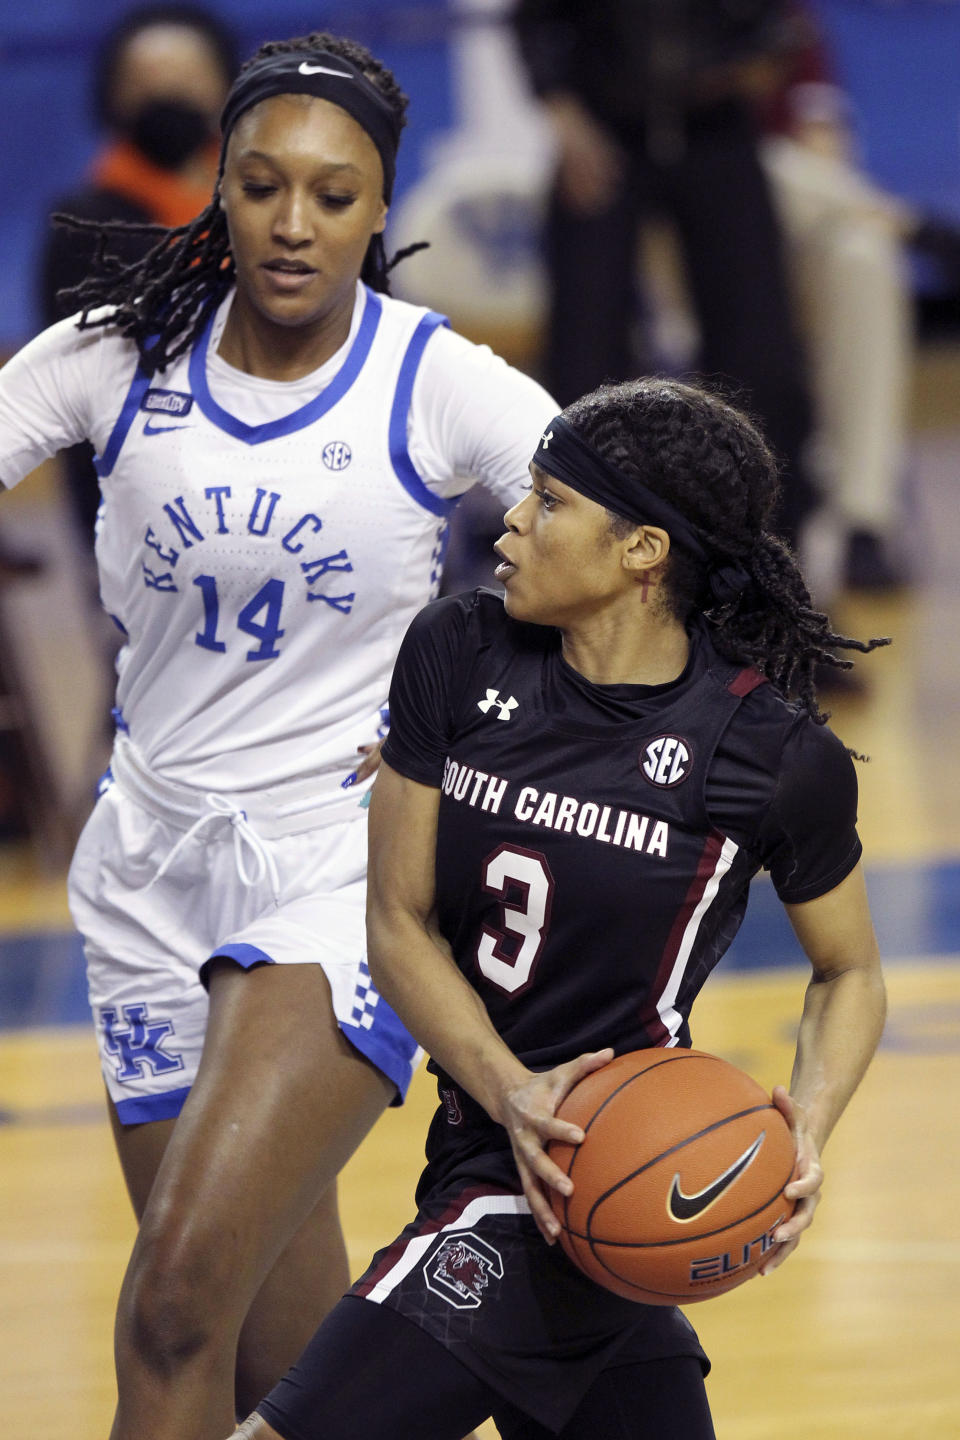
<point x="645" y="549"/>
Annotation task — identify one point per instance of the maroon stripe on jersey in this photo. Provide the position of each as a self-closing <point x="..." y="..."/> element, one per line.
<point x="393" y="1253"/>
<point x="746" y="680"/>
<point x="650" y="1018"/>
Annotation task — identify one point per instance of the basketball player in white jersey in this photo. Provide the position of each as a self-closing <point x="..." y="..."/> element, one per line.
<point x="280" y="445"/>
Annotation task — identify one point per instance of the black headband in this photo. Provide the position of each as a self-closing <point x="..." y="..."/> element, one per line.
<point x="564" y="454"/>
<point x="328" y="77"/>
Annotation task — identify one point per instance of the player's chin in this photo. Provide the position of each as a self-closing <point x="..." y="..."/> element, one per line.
<point x="299" y="308"/>
<point x="513" y="602"/>
<point x="518" y="600"/>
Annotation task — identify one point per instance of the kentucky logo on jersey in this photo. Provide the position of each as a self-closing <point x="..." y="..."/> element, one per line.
<point x="504" y="706"/>
<point x="137" y="1042"/>
<point x="461" y="1268"/>
<point x="666" y="761"/>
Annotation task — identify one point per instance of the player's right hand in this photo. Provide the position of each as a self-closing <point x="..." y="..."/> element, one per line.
<point x="528" y="1111"/>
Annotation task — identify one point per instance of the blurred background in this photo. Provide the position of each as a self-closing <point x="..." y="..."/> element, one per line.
<point x="582" y="224"/>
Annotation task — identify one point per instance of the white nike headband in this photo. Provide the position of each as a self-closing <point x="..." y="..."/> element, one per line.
<point x="328" y="77"/>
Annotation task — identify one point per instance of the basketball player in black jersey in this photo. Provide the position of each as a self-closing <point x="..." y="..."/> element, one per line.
<point x="580" y="781"/>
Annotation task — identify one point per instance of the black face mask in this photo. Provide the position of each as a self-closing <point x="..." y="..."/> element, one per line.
<point x="168" y="132"/>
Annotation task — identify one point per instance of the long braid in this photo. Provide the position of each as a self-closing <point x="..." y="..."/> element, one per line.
<point x="712" y="464"/>
<point x="162" y="301"/>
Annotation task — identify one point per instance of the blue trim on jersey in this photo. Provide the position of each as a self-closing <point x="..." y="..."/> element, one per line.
<point x="399" y="454"/>
<point x="140" y="1109"/>
<point x="297" y="419"/>
<point x="139" y="385"/>
<point x="245" y="955"/>
<point x="388" y="1044"/>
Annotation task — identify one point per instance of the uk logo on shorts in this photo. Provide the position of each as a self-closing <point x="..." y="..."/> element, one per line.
<point x="460" y="1269"/>
<point x="666" y="761"/>
<point x="135" y="1041"/>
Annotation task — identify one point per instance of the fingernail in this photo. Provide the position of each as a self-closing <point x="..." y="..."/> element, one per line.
<point x="350" y="780"/>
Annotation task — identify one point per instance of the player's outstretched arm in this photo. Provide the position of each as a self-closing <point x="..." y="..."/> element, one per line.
<point x="413" y="969"/>
<point x="843" y="1014"/>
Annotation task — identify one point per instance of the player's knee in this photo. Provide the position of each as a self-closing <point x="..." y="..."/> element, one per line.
<point x="172" y="1305"/>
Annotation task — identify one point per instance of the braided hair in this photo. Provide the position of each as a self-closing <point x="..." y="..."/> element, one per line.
<point x="712" y="464"/>
<point x="163" y="300"/>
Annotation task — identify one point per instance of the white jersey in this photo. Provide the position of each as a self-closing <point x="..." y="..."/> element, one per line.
<point x="263" y="545"/>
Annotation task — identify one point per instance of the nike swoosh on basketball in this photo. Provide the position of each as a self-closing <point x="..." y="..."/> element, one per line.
<point x="151" y="429"/>
<point x="683" y="1207"/>
<point x="306" y="69"/>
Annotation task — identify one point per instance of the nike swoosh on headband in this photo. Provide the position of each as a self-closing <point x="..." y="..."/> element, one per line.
<point x="306" y="69"/>
<point x="683" y="1207"/>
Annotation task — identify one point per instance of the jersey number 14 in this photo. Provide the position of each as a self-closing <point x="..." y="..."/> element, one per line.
<point x="260" y="617"/>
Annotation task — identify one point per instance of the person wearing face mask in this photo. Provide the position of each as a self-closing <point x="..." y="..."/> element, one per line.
<point x="160" y="80"/>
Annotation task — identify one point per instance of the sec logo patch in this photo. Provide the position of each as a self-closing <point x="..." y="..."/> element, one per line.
<point x="666" y="761"/>
<point x="337" y="455"/>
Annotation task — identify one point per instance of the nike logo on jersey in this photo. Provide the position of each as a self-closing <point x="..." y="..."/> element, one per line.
<point x="306" y="69"/>
<point x="505" y="706"/>
<point x="151" y="429"/>
<point x="682" y="1207"/>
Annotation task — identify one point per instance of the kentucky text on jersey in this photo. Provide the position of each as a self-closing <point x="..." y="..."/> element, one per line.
<point x="262" y="521"/>
<point x="553" y="811"/>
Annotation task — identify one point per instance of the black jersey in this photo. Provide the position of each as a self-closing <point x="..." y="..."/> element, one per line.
<point x="594" y="851"/>
<point x="596" y="844"/>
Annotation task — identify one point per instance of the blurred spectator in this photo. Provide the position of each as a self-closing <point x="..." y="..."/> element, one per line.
<point x="160" y="80"/>
<point x="847" y="243"/>
<point x="652" y="107"/>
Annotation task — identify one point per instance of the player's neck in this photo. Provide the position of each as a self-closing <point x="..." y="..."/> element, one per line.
<point x="617" y="649"/>
<point x="256" y="345"/>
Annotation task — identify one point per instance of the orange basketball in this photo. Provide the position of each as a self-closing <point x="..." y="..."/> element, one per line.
<point x="678" y="1186"/>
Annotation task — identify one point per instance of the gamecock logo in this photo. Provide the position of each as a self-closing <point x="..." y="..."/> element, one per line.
<point x="461" y="1268"/>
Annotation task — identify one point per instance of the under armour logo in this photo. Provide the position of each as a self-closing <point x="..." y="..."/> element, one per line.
<point x="545" y="440"/>
<point x="493" y="698"/>
<point x="139" y="1044"/>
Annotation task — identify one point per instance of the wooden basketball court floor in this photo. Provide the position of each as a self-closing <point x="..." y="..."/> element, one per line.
<point x="857" y="1335"/>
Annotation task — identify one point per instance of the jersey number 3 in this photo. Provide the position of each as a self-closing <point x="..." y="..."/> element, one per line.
<point x="522" y="882"/>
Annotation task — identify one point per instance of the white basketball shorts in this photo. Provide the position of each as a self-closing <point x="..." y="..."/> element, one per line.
<point x="157" y="888"/>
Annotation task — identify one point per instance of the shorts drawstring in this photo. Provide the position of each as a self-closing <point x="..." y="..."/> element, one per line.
<point x="243" y="835"/>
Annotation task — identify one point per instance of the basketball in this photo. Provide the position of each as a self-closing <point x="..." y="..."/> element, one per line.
<point x="678" y="1185"/>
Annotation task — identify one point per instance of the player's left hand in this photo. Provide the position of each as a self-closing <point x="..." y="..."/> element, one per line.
<point x="804" y="1187"/>
<point x="370" y="761"/>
